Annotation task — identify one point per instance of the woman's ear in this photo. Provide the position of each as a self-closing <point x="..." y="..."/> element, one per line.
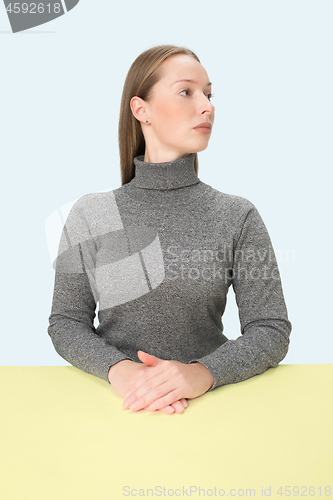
<point x="138" y="108"/>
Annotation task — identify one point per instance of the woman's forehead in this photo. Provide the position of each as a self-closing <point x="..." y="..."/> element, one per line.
<point x="182" y="67"/>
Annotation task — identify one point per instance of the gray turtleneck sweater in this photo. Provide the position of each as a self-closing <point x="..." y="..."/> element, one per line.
<point x="158" y="256"/>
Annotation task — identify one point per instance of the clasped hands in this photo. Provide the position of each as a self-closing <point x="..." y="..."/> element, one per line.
<point x="157" y="384"/>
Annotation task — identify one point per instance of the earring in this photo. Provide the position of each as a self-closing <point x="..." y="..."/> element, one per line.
<point x="146" y="121"/>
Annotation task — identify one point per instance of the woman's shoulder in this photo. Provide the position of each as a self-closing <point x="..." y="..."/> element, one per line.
<point x="93" y="201"/>
<point x="227" y="200"/>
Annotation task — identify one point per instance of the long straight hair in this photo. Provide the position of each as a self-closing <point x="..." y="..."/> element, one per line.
<point x="141" y="77"/>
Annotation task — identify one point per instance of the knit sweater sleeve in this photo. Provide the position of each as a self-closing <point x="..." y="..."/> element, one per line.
<point x="71" y="322"/>
<point x="265" y="328"/>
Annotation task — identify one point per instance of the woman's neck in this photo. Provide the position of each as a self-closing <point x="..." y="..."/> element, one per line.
<point x="160" y="156"/>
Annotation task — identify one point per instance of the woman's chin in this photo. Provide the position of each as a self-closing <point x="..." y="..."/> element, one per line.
<point x="200" y="147"/>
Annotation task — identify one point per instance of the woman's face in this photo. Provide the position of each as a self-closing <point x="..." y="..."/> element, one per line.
<point x="176" y="108"/>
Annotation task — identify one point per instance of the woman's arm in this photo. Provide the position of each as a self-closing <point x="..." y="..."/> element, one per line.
<point x="72" y="330"/>
<point x="71" y="322"/>
<point x="265" y="327"/>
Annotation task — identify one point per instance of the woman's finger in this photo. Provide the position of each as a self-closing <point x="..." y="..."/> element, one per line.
<point x="168" y="410"/>
<point x="176" y="407"/>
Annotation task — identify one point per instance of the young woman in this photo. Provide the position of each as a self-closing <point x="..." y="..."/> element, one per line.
<point x="159" y="254"/>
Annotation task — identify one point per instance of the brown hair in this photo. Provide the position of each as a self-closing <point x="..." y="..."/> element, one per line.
<point x="141" y="77"/>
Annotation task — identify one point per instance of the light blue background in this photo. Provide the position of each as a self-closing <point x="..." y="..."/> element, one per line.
<point x="271" y="67"/>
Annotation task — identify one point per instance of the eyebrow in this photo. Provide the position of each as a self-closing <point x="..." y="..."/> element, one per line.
<point x="192" y="81"/>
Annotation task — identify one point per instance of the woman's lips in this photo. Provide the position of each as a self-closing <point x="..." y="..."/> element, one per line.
<point x="203" y="130"/>
<point x="204" y="127"/>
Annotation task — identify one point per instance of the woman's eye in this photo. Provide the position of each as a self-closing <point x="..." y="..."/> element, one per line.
<point x="209" y="96"/>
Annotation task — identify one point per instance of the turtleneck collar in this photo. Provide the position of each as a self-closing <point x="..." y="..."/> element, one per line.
<point x="167" y="175"/>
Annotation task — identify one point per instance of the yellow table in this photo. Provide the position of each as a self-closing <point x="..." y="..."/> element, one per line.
<point x="65" y="435"/>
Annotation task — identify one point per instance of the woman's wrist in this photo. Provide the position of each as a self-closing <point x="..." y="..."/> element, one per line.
<point x="114" y="368"/>
<point x="205" y="373"/>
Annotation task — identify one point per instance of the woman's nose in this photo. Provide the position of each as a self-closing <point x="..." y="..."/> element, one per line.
<point x="206" y="105"/>
<point x="211" y="107"/>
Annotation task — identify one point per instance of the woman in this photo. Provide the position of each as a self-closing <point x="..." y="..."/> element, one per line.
<point x="159" y="254"/>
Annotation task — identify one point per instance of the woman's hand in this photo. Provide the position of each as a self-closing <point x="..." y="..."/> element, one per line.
<point x="123" y="374"/>
<point x="162" y="382"/>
